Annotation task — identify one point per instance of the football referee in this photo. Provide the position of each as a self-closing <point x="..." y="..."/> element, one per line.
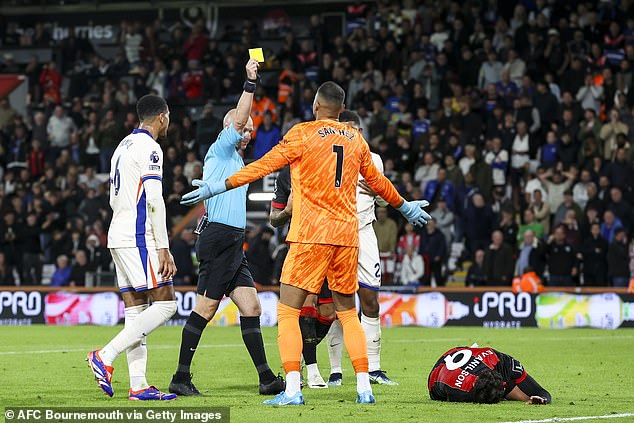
<point x="223" y="267"/>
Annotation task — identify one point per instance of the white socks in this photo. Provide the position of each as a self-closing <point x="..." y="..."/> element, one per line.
<point x="312" y="371"/>
<point x="293" y="385"/>
<point x="137" y="353"/>
<point x="372" y="328"/>
<point x="363" y="383"/>
<point x="144" y="323"/>
<point x="335" y="346"/>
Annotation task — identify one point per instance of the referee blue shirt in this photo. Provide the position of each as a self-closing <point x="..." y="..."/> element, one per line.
<point x="222" y="160"/>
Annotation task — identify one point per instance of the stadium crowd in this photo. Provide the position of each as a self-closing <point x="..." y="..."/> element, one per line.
<point x="514" y="119"/>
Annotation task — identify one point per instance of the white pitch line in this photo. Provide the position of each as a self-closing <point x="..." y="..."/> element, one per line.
<point x="396" y="341"/>
<point x="574" y="419"/>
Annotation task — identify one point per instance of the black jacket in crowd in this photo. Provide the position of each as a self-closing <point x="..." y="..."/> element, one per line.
<point x="594" y="252"/>
<point x="560" y="259"/>
<point x="618" y="260"/>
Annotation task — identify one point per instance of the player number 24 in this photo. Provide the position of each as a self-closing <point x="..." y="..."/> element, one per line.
<point x="338" y="150"/>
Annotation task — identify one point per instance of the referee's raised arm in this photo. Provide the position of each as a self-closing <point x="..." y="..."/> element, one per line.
<point x="243" y="109"/>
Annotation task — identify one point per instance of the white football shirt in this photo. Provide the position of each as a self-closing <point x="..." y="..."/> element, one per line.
<point x="137" y="158"/>
<point x="365" y="203"/>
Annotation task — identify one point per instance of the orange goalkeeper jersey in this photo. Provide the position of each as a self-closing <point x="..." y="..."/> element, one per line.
<point x="325" y="158"/>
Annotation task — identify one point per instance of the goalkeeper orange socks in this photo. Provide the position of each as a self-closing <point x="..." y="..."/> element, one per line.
<point x="289" y="337"/>
<point x="354" y="339"/>
<point x="289" y="341"/>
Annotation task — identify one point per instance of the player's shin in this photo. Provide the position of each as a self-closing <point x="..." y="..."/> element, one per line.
<point x="335" y="346"/>
<point x="252" y="337"/>
<point x="289" y="341"/>
<point x="192" y="331"/>
<point x="137" y="353"/>
<point x="153" y="317"/>
<point x="354" y="339"/>
<point x="372" y="328"/>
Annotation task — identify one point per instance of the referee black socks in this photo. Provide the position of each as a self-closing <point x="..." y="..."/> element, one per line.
<point x="252" y="337"/>
<point x="192" y="331"/>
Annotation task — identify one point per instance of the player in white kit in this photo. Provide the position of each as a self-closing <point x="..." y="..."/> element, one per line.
<point x="369" y="273"/>
<point x="139" y="245"/>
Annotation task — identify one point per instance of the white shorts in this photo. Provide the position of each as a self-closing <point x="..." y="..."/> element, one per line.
<point x="369" y="269"/>
<point x="137" y="269"/>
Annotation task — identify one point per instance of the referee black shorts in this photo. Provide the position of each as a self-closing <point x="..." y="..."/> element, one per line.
<point x="223" y="265"/>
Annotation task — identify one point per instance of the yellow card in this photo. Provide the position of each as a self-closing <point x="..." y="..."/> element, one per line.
<point x="257" y="54"/>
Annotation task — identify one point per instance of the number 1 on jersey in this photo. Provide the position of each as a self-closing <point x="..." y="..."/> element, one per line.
<point x="338" y="150"/>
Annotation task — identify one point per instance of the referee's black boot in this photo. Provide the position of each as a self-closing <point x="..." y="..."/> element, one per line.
<point x="272" y="388"/>
<point x="183" y="387"/>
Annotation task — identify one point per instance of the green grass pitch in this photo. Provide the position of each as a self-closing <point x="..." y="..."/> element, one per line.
<point x="588" y="373"/>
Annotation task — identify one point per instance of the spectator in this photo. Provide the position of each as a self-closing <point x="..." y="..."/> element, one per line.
<point x="498" y="159"/>
<point x="521" y="147"/>
<point x="31" y="251"/>
<point x="412" y="267"/>
<point x="508" y="227"/>
<point x="196" y="44"/>
<point x="530" y="224"/>
<point x="590" y="95"/>
<point x="61" y="276"/>
<point x="620" y="207"/>
<point x="567" y="205"/>
<point x="6" y="272"/>
<point x="409" y="239"/>
<point x="268" y="136"/>
<point x="50" y="83"/>
<point x="59" y="129"/>
<point x="261" y="104"/>
<point x="440" y="188"/>
<point x="609" y="133"/>
<point x="444" y="220"/>
<point x="476" y="275"/>
<point x="531" y="255"/>
<point x="560" y="259"/>
<point x="259" y="255"/>
<point x="498" y="261"/>
<point x="541" y="211"/>
<point x="556" y="186"/>
<point x="386" y="231"/>
<point x="580" y="190"/>
<point x="593" y="253"/>
<point x="611" y="224"/>
<point x="207" y="129"/>
<point x="108" y="138"/>
<point x="427" y="172"/>
<point x="478" y="223"/>
<point x="490" y="71"/>
<point x="182" y="249"/>
<point x="573" y="233"/>
<point x="79" y="270"/>
<point x="619" y="260"/>
<point x="433" y="248"/>
<point x="620" y="172"/>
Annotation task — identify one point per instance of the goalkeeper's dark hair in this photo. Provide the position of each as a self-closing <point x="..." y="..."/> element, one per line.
<point x="331" y="93"/>
<point x="350" y="116"/>
<point x="149" y="106"/>
<point x="488" y="388"/>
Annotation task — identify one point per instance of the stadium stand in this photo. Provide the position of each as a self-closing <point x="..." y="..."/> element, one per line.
<point x="515" y="119"/>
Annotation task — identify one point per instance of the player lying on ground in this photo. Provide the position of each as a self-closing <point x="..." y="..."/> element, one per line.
<point x="483" y="375"/>
<point x="369" y="274"/>
<point x="318" y="311"/>
<point x="223" y="267"/>
<point x="325" y="158"/>
<point x="139" y="245"/>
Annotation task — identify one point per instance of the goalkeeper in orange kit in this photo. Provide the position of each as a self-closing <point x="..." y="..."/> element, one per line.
<point x="325" y="158"/>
